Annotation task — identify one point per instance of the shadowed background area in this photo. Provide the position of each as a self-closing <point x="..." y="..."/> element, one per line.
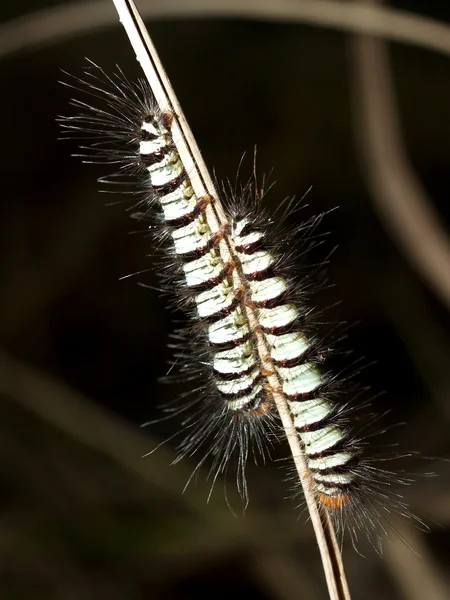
<point x="367" y="125"/>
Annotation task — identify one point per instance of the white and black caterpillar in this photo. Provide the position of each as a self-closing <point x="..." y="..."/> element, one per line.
<point x="236" y="411"/>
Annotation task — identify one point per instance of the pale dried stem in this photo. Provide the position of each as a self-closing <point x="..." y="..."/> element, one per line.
<point x="215" y="215"/>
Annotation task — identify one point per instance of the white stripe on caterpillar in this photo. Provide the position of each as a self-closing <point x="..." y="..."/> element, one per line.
<point x="195" y="239"/>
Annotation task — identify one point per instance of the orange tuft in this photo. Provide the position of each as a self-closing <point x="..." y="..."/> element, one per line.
<point x="266" y="372"/>
<point x="167" y="119"/>
<point x="334" y="501"/>
<point x="203" y="201"/>
<point x="262" y="409"/>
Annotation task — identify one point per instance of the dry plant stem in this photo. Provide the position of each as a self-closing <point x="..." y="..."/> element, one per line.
<point x="65" y="21"/>
<point x="398" y="195"/>
<point x="203" y="185"/>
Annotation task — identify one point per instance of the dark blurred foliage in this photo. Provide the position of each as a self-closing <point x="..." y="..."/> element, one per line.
<point x="75" y="522"/>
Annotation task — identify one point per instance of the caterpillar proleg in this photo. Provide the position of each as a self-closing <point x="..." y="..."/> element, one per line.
<point x="256" y="359"/>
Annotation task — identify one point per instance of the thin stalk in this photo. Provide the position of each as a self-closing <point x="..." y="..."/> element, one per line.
<point x="203" y="186"/>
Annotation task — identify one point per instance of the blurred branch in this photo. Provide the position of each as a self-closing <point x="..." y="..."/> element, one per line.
<point x="66" y="21"/>
<point x="71" y="413"/>
<point x="413" y="571"/>
<point x="398" y="195"/>
<point x="427" y="342"/>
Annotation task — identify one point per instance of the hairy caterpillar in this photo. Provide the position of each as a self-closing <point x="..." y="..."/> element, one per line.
<point x="237" y="411"/>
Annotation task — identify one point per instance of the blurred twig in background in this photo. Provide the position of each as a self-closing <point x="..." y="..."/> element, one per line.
<point x="397" y="193"/>
<point x="417" y="578"/>
<point x="59" y="23"/>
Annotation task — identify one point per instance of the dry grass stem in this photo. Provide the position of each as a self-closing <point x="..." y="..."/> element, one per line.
<point x="203" y="185"/>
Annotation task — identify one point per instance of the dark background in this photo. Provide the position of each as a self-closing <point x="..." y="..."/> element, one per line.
<point x="81" y="514"/>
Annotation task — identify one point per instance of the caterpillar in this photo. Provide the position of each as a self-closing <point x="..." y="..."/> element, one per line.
<point x="233" y="410"/>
